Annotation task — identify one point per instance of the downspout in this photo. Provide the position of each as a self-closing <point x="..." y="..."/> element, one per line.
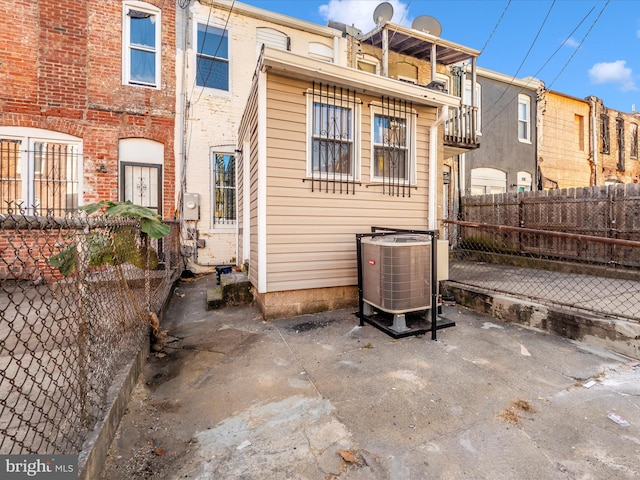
<point x="385" y="52"/>
<point x="433" y="168"/>
<point x="183" y="125"/>
<point x="593" y="145"/>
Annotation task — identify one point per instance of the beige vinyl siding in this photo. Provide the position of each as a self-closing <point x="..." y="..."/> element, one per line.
<point x="248" y="130"/>
<point x="311" y="235"/>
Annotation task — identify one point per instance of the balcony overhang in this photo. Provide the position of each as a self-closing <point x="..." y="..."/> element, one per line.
<point x="417" y="44"/>
<point x="297" y="66"/>
<point x="451" y="150"/>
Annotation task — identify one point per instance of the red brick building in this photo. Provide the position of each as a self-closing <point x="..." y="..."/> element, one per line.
<point x="87" y="104"/>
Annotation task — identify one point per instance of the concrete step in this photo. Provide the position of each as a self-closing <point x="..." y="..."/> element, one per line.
<point x="234" y="289"/>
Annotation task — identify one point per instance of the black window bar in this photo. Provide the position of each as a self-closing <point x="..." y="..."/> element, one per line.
<point x="333" y="117"/>
<point x="55" y="178"/>
<point x="393" y="147"/>
<point x="50" y="184"/>
<point x="10" y="181"/>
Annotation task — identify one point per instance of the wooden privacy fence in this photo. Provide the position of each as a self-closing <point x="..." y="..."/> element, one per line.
<point x="611" y="212"/>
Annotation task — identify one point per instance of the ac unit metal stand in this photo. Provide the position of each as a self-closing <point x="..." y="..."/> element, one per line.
<point x="411" y="323"/>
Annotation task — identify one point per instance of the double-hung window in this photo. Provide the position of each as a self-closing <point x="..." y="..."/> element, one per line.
<point x="333" y="152"/>
<point x="332" y="140"/>
<point x="141" y="44"/>
<point x="390" y="148"/>
<point x="524" y="118"/>
<point x="392" y="138"/>
<point x="212" y="58"/>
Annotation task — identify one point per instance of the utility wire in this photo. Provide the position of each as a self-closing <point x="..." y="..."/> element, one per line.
<point x="496" y="26"/>
<point x="580" y="44"/>
<point x="543" y="65"/>
<point x="525" y="56"/>
<point x="215" y="53"/>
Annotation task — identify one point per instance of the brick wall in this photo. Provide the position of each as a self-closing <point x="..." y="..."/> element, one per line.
<point x="61" y="71"/>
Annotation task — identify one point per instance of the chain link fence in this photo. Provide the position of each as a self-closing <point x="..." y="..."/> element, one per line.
<point x="75" y="300"/>
<point x="576" y="248"/>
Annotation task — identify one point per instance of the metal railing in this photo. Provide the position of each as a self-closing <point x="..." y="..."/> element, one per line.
<point x="583" y="272"/>
<point x="75" y="300"/>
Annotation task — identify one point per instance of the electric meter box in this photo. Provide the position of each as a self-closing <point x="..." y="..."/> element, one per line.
<point x="191" y="206"/>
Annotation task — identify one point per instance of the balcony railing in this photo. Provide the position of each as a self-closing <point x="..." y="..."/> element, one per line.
<point x="461" y="127"/>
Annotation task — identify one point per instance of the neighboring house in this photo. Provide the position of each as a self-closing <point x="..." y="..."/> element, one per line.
<point x="86" y="105"/>
<point x="326" y="151"/>
<point x="565" y="145"/>
<point x="616" y="155"/>
<point x="582" y="143"/>
<point x="218" y="49"/>
<point x="506" y="158"/>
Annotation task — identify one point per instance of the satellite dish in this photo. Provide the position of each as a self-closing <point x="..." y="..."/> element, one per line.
<point x="427" y="24"/>
<point x="382" y="13"/>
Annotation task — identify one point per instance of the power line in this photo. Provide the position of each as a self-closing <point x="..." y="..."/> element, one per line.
<point x="525" y="56"/>
<point x="543" y="65"/>
<point x="215" y="53"/>
<point x="496" y="26"/>
<point x="580" y="44"/>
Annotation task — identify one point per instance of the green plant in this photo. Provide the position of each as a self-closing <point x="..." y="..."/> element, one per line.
<point x="117" y="246"/>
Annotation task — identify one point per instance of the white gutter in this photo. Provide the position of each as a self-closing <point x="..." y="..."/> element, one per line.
<point x="433" y="169"/>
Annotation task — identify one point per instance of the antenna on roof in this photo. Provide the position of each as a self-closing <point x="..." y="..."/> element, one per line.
<point x="427" y="24"/>
<point x="383" y="13"/>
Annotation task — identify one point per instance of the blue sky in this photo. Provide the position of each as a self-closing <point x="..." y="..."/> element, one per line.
<point x="577" y="47"/>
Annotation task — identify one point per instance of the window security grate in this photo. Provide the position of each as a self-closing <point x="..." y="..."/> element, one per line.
<point x="332" y="164"/>
<point x="44" y="182"/>
<point x="393" y="147"/>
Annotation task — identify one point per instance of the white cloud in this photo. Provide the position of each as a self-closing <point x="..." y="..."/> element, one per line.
<point x="359" y="13"/>
<point x="571" y="42"/>
<point x="613" y="72"/>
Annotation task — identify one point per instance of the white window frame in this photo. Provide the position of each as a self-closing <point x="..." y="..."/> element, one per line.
<point x="524" y="181"/>
<point x="127" y="46"/>
<point x="211" y="23"/>
<point x="526" y="101"/>
<point x="441" y="77"/>
<point x="320" y="51"/>
<point x="355" y="141"/>
<point x="466" y="100"/>
<point x="28" y="137"/>
<point x="486" y="180"/>
<point x="230" y="151"/>
<point x="270" y="37"/>
<point x="376" y="109"/>
<point x="369" y="60"/>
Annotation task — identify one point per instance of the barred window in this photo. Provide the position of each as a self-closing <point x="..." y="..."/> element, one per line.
<point x="633" y="153"/>
<point x="393" y="161"/>
<point x="224" y="188"/>
<point x="333" y="151"/>
<point x="39" y="177"/>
